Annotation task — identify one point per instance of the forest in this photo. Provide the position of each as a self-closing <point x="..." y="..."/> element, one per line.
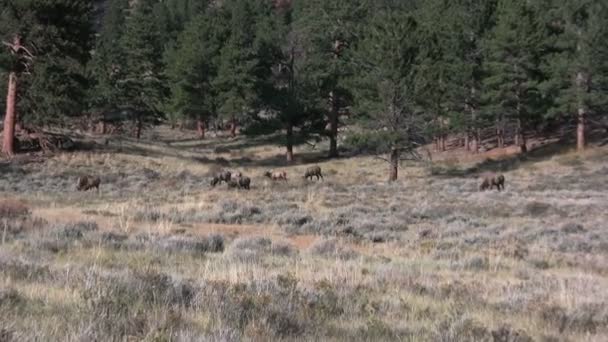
<point x="398" y="74"/>
<point x="304" y="170"/>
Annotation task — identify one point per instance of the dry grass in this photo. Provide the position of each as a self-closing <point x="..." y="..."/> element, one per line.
<point x="159" y="255"/>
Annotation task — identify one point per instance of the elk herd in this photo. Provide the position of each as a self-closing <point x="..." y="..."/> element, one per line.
<point x="236" y="180"/>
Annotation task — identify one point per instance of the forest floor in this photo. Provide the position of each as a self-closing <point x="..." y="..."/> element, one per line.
<point x="159" y="255"/>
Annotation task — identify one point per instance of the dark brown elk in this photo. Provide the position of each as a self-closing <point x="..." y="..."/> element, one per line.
<point x="220" y="177"/>
<point x="276" y="175"/>
<point x="244" y="182"/>
<point x="490" y="181"/>
<point x="86" y="183"/>
<point x="240" y="183"/>
<point x="313" y="171"/>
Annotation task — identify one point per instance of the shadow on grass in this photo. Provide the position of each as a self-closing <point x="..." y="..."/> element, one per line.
<point x="507" y="163"/>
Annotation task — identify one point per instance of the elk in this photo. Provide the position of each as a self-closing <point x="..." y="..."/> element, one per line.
<point x="313" y="171"/>
<point x="86" y="183"/>
<point x="490" y="181"/>
<point x="276" y="175"/>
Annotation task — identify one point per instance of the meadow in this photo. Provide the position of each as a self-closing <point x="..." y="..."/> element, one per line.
<point x="160" y="255"/>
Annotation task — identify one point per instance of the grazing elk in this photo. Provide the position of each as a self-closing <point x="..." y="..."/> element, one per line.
<point x="86" y="183"/>
<point x="313" y="171"/>
<point x="276" y="175"/>
<point x="242" y="182"/>
<point x="224" y="176"/>
<point x="490" y="181"/>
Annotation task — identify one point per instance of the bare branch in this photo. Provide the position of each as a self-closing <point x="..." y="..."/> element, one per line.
<point x="314" y="146"/>
<point x="382" y="159"/>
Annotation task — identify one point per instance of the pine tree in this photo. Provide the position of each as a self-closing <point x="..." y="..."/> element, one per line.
<point x="513" y="68"/>
<point x="142" y="84"/>
<point x="385" y="87"/>
<point x="44" y="47"/>
<point x="107" y="64"/>
<point x="236" y="81"/>
<point x="192" y="69"/>
<point x="434" y="68"/>
<point x="578" y="61"/>
<point x="292" y="98"/>
<point x="330" y="28"/>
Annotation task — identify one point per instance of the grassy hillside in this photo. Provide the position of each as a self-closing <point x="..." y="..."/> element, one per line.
<point x="160" y="255"/>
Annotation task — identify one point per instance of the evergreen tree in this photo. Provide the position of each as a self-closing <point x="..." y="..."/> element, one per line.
<point x="434" y="68"/>
<point x="385" y="87"/>
<point x="294" y="102"/>
<point x="578" y="61"/>
<point x="330" y="28"/>
<point x="142" y="84"/>
<point x="513" y="68"/>
<point x="45" y="44"/>
<point x="107" y="64"/>
<point x="193" y="67"/>
<point x="236" y="81"/>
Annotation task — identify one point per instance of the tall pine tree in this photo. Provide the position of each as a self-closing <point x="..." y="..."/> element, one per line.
<point x="107" y="65"/>
<point x="385" y="86"/>
<point x="236" y="81"/>
<point x="330" y="28"/>
<point x="513" y="69"/>
<point x="142" y="83"/>
<point x="45" y="44"/>
<point x="192" y="69"/>
<point x="578" y="61"/>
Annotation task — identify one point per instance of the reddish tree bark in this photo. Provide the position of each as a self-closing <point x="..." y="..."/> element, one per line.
<point x="138" y="128"/>
<point x="200" y="127"/>
<point x="333" y="126"/>
<point x="581" y="115"/>
<point x="10" y="118"/>
<point x="289" y="143"/>
<point x="580" y="130"/>
<point x="233" y="127"/>
<point x="394" y="165"/>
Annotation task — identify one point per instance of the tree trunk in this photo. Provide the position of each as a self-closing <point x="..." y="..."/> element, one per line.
<point x="139" y="128"/>
<point x="394" y="165"/>
<point x="8" y="144"/>
<point x="233" y="127"/>
<point x="289" y="143"/>
<point x="580" y="129"/>
<point x="467" y="141"/>
<point x="333" y="126"/>
<point x="523" y="145"/>
<point x="581" y="115"/>
<point x="443" y="142"/>
<point x="200" y="128"/>
<point x="500" y="137"/>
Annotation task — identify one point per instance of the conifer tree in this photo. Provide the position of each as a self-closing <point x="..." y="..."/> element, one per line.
<point x="193" y="67"/>
<point x="236" y="81"/>
<point x="330" y="29"/>
<point x="293" y="99"/>
<point x="385" y="93"/>
<point x="142" y="84"/>
<point x="578" y="61"/>
<point x="45" y="44"/>
<point x="107" y="64"/>
<point x="513" y="68"/>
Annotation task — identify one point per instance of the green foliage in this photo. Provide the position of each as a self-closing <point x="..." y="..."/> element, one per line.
<point x="577" y="46"/>
<point x="513" y="55"/>
<point x="192" y="67"/>
<point x="236" y="81"/>
<point x="384" y="87"/>
<point x="56" y="37"/>
<point x="106" y="65"/>
<point x="142" y="83"/>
